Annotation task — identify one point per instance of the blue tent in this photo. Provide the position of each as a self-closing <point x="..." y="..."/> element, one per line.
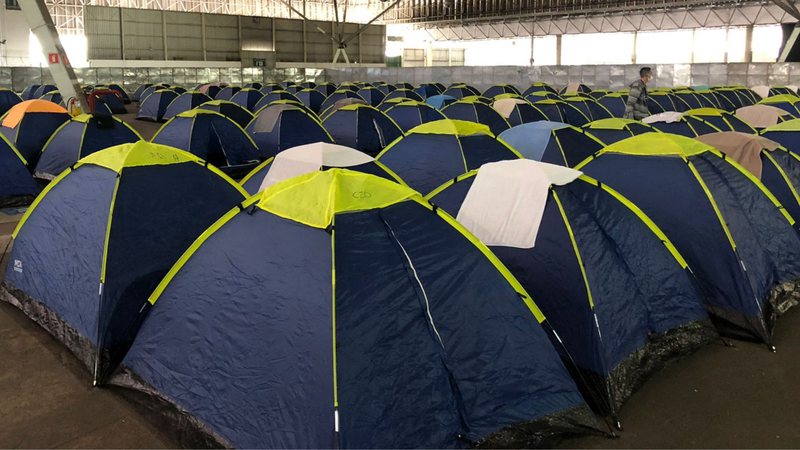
<point x="137" y="94"/>
<point x="362" y="127"/>
<point x="694" y="100"/>
<point x="28" y="125"/>
<point x="312" y="98"/>
<point x="403" y="93"/>
<point x="102" y="235"/>
<point x="561" y="111"/>
<point x="722" y="120"/>
<point x="426" y="90"/>
<point x="372" y="95"/>
<point x="614" y="103"/>
<point x="8" y="99"/>
<point x="459" y="91"/>
<point x="539" y="87"/>
<point x="500" y="89"/>
<point x="108" y="99"/>
<point x="80" y="137"/>
<point x="617" y="292"/>
<point x="255" y="85"/>
<point x="29" y="92"/>
<point x="347" y="86"/>
<point x="386" y="105"/>
<point x="17" y="187"/>
<point x="476" y="112"/>
<point x="437" y="347"/>
<point x="312" y="157"/>
<point x="307" y="85"/>
<point x="230" y="110"/>
<point x="212" y="137"/>
<point x="739" y="241"/>
<point x="274" y="96"/>
<point x="736" y="97"/>
<point x="404" y="85"/>
<point x="589" y="107"/>
<point x="659" y="102"/>
<point x="44" y="89"/>
<point x="248" y="98"/>
<point x="126" y="99"/>
<point x="517" y="111"/>
<point x="227" y="92"/>
<point x="683" y="125"/>
<point x="55" y="97"/>
<point x="150" y="90"/>
<point x="338" y="95"/>
<point x="409" y="114"/>
<point x="155" y="105"/>
<point x="534" y="97"/>
<point x="609" y="131"/>
<point x="440" y="101"/>
<point x="326" y="88"/>
<point x="787" y="102"/>
<point x="551" y="142"/>
<point x="184" y="102"/>
<point x="383" y="87"/>
<point x="436" y="152"/>
<point x="278" y="127"/>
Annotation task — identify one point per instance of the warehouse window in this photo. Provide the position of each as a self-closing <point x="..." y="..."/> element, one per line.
<point x="12" y="4"/>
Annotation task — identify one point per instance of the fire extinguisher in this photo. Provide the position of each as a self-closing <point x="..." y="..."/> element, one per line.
<point x="73" y="106"/>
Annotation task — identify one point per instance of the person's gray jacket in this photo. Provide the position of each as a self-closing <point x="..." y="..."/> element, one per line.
<point x="636" y="106"/>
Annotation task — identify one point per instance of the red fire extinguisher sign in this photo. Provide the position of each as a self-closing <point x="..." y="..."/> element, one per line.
<point x="52" y="58"/>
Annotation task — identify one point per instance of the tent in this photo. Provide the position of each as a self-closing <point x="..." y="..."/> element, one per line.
<point x="339" y="104"/>
<point x="307" y="85"/>
<point x="460" y="91"/>
<point x="137" y="94"/>
<point x="409" y="114"/>
<point x="230" y="110"/>
<point x="439" y="101"/>
<point x="274" y="96"/>
<point x="426" y="90"/>
<point x="787" y="102"/>
<point x="723" y="120"/>
<point x="609" y="131"/>
<point x="8" y="99"/>
<point x="227" y="93"/>
<point x="309" y="158"/>
<point x="111" y="101"/>
<point x="694" y="100"/>
<point x="386" y="105"/>
<point x="618" y="294"/>
<point x="29" y="92"/>
<point x="80" y="137"/>
<point x="126" y="99"/>
<point x="534" y="97"/>
<point x="781" y="90"/>
<point x="347" y="86"/>
<point x="55" y="97"/>
<point x="659" y="102"/>
<point x="279" y="127"/>
<point x="150" y="90"/>
<point x="269" y="87"/>
<point x="362" y="127"/>
<point x="498" y="89"/>
<point x="589" y="107"/>
<point x="44" y="89"/>
<point x="155" y="105"/>
<point x="403" y="93"/>
<point x="396" y="368"/>
<point x="372" y="95"/>
<point x="615" y="103"/>
<point x="762" y="116"/>
<point x="736" y="97"/>
<point x="312" y="98"/>
<point x="551" y="142"/>
<point x="435" y="152"/>
<point x="212" y="137"/>
<point x="102" y="235"/>
<point x="211" y="90"/>
<point x="297" y="104"/>
<point x="786" y="134"/>
<point x="340" y="94"/>
<point x="599" y="93"/>
<point x="28" y="126"/>
<point x="383" y="87"/>
<point x="561" y="111"/>
<point x="254" y="85"/>
<point x="476" y="112"/>
<point x="248" y="98"/>
<point x="184" y="102"/>
<point x="404" y="85"/>
<point x="681" y="124"/>
<point x="17" y="187"/>
<point x="326" y="88"/>
<point x="575" y="88"/>
<point x="517" y="111"/>
<point x="775" y="166"/>
<point x="739" y="241"/>
<point x="477" y="99"/>
<point x="538" y="87"/>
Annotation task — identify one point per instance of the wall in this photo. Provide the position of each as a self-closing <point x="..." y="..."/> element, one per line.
<point x="122" y="33"/>
<point x="15" y="31"/>
<point x="608" y="76"/>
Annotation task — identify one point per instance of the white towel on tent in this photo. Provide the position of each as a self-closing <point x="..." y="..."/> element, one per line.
<point x="505" y="204"/>
<point x="308" y="158"/>
<point x="668" y="117"/>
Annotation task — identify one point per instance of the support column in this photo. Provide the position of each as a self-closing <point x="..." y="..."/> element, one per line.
<point x="164" y="34"/>
<point x="121" y="35"/>
<point x="748" y="44"/>
<point x="203" y="35"/>
<point x="558" y="49"/>
<point x="634" y="55"/>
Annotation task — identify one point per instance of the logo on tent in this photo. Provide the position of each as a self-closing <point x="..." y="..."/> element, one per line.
<point x="17" y="266"/>
<point x="361" y="194"/>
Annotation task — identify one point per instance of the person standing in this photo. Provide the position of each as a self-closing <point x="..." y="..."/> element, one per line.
<point x="636" y="106"/>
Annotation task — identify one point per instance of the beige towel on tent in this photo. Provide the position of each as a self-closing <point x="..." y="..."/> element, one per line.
<point x="761" y="90"/>
<point x="760" y="116"/>
<point x="743" y="148"/>
<point x="506" y="106"/>
<point x="572" y="88"/>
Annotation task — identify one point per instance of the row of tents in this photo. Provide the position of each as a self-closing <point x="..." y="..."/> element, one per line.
<point x="370" y="276"/>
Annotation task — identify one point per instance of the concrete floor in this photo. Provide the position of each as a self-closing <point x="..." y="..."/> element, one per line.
<point x="721" y="397"/>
